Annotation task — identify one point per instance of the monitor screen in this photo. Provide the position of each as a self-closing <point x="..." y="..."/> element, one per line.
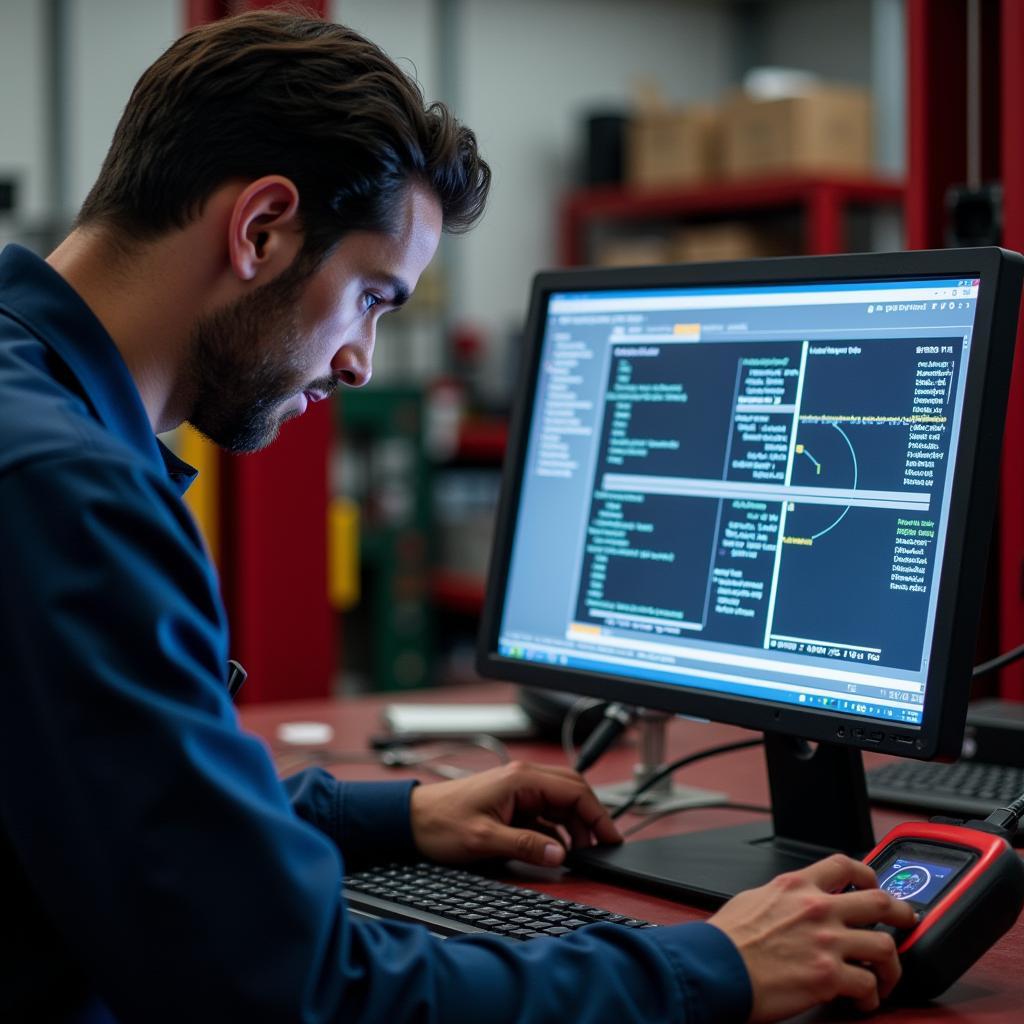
<point x="744" y="491"/>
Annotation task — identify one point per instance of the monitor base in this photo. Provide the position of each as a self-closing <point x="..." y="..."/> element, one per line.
<point x="819" y="805"/>
<point x="706" y="867"/>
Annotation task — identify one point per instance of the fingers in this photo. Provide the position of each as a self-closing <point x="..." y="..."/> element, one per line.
<point x="860" y="985"/>
<point x="876" y="950"/>
<point x="564" y="797"/>
<point x="526" y="845"/>
<point x="870" y="906"/>
<point x="839" y="871"/>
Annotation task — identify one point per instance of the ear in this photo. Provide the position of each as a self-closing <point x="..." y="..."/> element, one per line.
<point x="264" y="233"/>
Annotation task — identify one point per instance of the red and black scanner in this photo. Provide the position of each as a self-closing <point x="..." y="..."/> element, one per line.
<point x="967" y="885"/>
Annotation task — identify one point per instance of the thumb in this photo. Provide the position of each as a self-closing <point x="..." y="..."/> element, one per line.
<point x="526" y="845"/>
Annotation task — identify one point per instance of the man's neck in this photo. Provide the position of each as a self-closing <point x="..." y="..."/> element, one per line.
<point x="148" y="301"/>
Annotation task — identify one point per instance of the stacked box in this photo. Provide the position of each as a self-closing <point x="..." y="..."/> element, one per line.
<point x="825" y="131"/>
<point x="672" y="146"/>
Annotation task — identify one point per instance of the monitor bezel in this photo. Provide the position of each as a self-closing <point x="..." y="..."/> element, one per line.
<point x="976" y="472"/>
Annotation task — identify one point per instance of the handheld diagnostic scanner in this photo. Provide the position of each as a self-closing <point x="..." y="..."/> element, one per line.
<point x="966" y="884"/>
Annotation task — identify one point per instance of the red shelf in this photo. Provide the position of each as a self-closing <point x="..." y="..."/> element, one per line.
<point x="458" y="593"/>
<point x="823" y="198"/>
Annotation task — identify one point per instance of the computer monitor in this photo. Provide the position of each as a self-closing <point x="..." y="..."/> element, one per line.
<point x="759" y="493"/>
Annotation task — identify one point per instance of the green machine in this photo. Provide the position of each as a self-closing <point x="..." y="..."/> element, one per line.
<point x="381" y="465"/>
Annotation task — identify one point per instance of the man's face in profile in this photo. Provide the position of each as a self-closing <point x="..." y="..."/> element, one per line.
<point x="258" y="362"/>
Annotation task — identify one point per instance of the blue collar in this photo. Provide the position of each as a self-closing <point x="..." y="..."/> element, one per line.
<point x="35" y="295"/>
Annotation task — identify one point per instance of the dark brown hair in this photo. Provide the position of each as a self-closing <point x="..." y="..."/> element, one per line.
<point x="276" y="92"/>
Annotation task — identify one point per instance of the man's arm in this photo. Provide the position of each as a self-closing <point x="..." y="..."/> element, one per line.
<point x="368" y="821"/>
<point x="160" y="843"/>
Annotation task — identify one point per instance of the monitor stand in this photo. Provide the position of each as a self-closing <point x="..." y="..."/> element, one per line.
<point x="663" y="796"/>
<point x="819" y="805"/>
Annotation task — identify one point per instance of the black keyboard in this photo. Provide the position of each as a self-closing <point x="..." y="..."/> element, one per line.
<point x="964" y="789"/>
<point x="450" y="901"/>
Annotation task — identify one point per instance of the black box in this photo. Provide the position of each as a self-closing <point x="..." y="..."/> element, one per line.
<point x="995" y="732"/>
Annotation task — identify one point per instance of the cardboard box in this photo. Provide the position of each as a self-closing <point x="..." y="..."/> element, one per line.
<point x="705" y="243"/>
<point x="825" y="131"/>
<point x="668" y="147"/>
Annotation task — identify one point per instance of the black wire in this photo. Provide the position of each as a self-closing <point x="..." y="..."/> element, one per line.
<point x="681" y="762"/>
<point x="696" y="807"/>
<point x="998" y="662"/>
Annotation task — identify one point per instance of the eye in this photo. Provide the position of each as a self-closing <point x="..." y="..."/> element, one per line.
<point x="371" y="299"/>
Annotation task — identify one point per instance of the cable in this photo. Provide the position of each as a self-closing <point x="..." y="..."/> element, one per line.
<point x="569" y="723"/>
<point x="644" y="822"/>
<point x="617" y="719"/>
<point x="1005" y="819"/>
<point x="674" y="766"/>
<point x="1000" y="661"/>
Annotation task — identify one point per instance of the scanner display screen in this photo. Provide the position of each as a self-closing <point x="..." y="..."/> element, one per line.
<point x="920" y="872"/>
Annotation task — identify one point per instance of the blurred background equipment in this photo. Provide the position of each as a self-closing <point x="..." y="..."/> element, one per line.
<point x="649" y="132"/>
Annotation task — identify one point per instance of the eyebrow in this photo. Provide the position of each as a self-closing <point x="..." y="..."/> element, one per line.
<point x="399" y="289"/>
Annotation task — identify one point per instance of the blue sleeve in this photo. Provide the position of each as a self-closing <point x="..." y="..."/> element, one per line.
<point x="162" y="847"/>
<point x="367" y="821"/>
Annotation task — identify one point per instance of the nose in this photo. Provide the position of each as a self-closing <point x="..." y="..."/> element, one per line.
<point x="352" y="364"/>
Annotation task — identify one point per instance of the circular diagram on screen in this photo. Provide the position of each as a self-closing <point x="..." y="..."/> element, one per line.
<point x="907" y="881"/>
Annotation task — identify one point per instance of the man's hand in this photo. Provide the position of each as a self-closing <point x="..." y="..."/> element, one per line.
<point x="805" y="942"/>
<point x="516" y="811"/>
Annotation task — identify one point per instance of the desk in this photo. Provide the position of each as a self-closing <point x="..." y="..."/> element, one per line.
<point x="992" y="992"/>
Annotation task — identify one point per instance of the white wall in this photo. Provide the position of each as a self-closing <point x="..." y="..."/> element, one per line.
<point x="111" y="43"/>
<point x="527" y="73"/>
<point x="23" y="105"/>
<point x="406" y="29"/>
<point x="831" y="37"/>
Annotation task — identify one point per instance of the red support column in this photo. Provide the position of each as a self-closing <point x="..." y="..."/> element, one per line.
<point x="273" y="528"/>
<point x="1011" y="506"/>
<point x="572" y="248"/>
<point x="199" y="12"/>
<point x="274" y="558"/>
<point x="823" y="215"/>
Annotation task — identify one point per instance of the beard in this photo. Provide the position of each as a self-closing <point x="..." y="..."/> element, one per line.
<point x="246" y="361"/>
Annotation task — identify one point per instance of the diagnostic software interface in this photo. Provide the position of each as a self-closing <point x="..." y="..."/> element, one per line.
<point x="743" y="490"/>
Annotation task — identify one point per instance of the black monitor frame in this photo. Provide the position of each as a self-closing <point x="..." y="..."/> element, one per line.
<point x="819" y="799"/>
<point x="970" y="517"/>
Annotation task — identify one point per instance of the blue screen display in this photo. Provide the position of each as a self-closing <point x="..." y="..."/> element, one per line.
<point x="743" y="490"/>
<point x="915" y="879"/>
